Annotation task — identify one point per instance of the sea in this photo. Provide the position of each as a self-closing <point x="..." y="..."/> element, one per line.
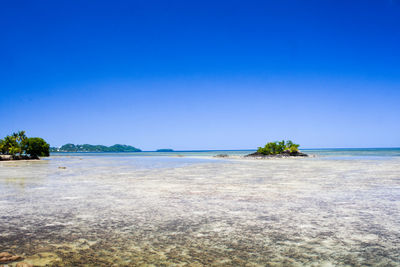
<point x="338" y="207"/>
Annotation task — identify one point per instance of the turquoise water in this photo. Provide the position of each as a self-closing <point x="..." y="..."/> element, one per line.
<point x="320" y="152"/>
<point x="186" y="153"/>
<point x="356" y="152"/>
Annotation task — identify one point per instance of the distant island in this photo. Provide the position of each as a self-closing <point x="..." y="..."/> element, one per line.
<point x="279" y="150"/>
<point x="20" y="147"/>
<point x="165" y="150"/>
<point x="94" y="148"/>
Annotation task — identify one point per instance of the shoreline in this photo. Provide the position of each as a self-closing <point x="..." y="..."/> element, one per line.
<point x="15" y="158"/>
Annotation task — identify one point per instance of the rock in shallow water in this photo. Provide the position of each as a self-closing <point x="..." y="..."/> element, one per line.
<point x="221" y="156"/>
<point x="8" y="257"/>
<point x="284" y="154"/>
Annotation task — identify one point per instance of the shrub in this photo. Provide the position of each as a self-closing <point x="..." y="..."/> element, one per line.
<point x="274" y="148"/>
<point x="36" y="147"/>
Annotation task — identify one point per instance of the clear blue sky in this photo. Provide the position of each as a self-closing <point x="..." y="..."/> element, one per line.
<point x="202" y="74"/>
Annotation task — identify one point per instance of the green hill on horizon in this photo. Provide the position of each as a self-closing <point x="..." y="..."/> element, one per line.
<point x="95" y="148"/>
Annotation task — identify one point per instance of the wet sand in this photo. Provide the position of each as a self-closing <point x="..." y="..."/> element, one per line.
<point x="105" y="211"/>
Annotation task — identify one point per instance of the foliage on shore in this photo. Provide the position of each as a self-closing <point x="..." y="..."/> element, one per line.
<point x="20" y="146"/>
<point x="275" y="148"/>
<point x="95" y="148"/>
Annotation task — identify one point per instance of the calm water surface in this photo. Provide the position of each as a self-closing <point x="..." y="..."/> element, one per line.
<point x="341" y="207"/>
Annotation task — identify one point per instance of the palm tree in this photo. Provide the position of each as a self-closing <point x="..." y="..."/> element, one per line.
<point x="22" y="141"/>
<point x="2" y="146"/>
<point x="15" y="143"/>
<point x="21" y="136"/>
<point x="10" y="143"/>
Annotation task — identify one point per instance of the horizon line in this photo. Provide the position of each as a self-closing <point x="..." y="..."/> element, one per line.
<point x="202" y="150"/>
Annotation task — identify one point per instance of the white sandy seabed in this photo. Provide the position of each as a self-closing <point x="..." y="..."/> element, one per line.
<point x="105" y="211"/>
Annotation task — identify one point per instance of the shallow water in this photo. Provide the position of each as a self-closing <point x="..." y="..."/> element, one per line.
<point x="134" y="210"/>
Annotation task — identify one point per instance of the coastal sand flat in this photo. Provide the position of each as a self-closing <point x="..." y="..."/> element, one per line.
<point x="111" y="210"/>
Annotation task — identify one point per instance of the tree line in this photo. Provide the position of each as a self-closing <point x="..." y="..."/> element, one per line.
<point x="19" y="145"/>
